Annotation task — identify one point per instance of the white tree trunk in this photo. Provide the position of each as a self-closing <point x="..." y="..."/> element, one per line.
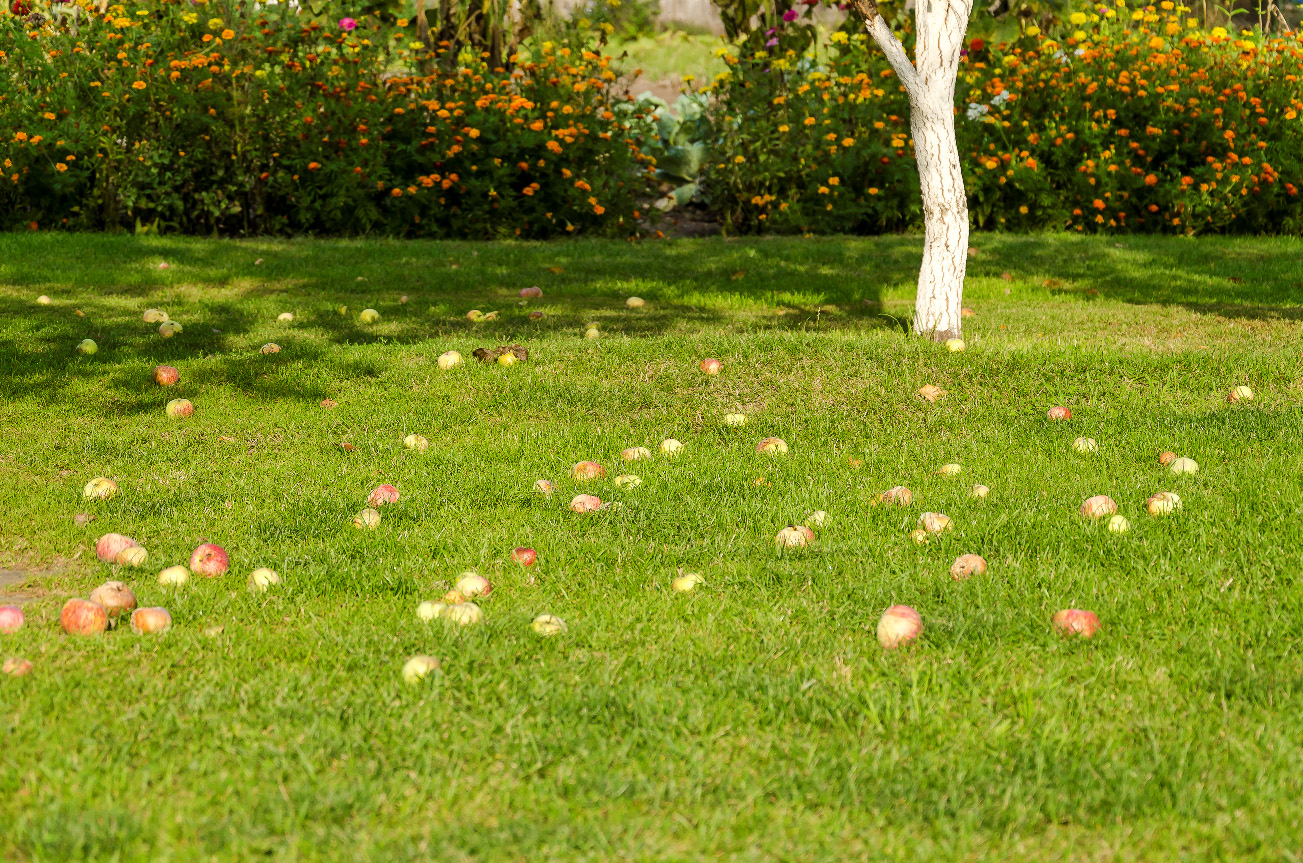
<point x="930" y="83"/>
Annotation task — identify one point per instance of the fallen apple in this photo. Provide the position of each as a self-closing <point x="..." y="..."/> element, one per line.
<point x="531" y="293"/>
<point x="735" y="420"/>
<point x="166" y="376"/>
<point x="536" y="315"/>
<point x="1085" y="445"/>
<point x="930" y="392"/>
<point x="919" y="535"/>
<point x="209" y="560"/>
<point x="635" y="302"/>
<point x="368" y="519"/>
<point x="285" y="316"/>
<point x="11" y="618"/>
<point x="1239" y="394"/>
<point x="43" y="300"/>
<point x="670" y="446"/>
<point x="466" y="614"/>
<point x="1098" y="506"/>
<point x="1118" y="524"/>
<point x="369" y="316"/>
<point x="1184" y="465"/>
<point x="634" y="453"/>
<point x="686" y="582"/>
<point x="524" y="556"/>
<point x="794" y="536"/>
<point x="507" y="359"/>
<point x="587" y="470"/>
<point x="455" y="596"/>
<point x="430" y="610"/>
<point x="935" y="522"/>
<point x="585" y="503"/>
<point x="548" y="625"/>
<point x="167" y="329"/>
<point x="134" y="556"/>
<point x="951" y="469"/>
<point x="475" y="315"/>
<point x="145" y="621"/>
<point x="418" y="668"/>
<point x="955" y="345"/>
<point x="897" y="495"/>
<point x="270" y="348"/>
<point x="1163" y="503"/>
<point x="80" y="617"/>
<point x="115" y="598"/>
<point x="628" y="481"/>
<point x="471" y="584"/>
<point x="403" y="299"/>
<point x="1074" y="621"/>
<point x="772" y="446"/>
<point x="449" y="360"/>
<point x="174" y="576"/>
<point x="711" y="366"/>
<point x="382" y="494"/>
<point x="1166" y="458"/>
<point x="1059" y="413"/>
<point x="16" y="667"/>
<point x="180" y="408"/>
<point x="543" y="488"/>
<point x="981" y="491"/>
<point x="967" y="565"/>
<point x="100" y="488"/>
<point x="818" y="519"/>
<point x="263" y="579"/>
<point x="416" y="442"/>
<point x="592" y="333"/>
<point x="899" y="625"/>
<point x="110" y="545"/>
<point x="87" y="346"/>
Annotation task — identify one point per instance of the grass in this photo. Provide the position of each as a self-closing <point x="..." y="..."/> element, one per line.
<point x="755" y="719"/>
<point x="670" y="55"/>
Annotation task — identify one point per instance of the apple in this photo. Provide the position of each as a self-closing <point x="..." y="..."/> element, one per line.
<point x="930" y="392"/>
<point x="635" y="302"/>
<point x="369" y="316"/>
<point x="919" y="535"/>
<point x="898" y="625"/>
<point x="418" y="668"/>
<point x="430" y="610"/>
<point x="110" y="545"/>
<point x="935" y="522"/>
<point x="543" y="488"/>
<point x="145" y="621"/>
<point x="587" y="470"/>
<point x="818" y="519"/>
<point x="585" y="503"/>
<point x="772" y="446"/>
<point x="1074" y="621"/>
<point x="592" y="333"/>
<point x="967" y="565"/>
<point x="507" y="359"/>
<point x="285" y="316"/>
<point x="100" y="488"/>
<point x="1240" y="393"/>
<point x="43" y="300"/>
<point x="794" y="536"/>
<point x="1163" y="503"/>
<point x="466" y="614"/>
<point x="524" y="556"/>
<point x="455" y="596"/>
<point x="548" y="625"/>
<point x="16" y="667"/>
<point x="670" y="446"/>
<point x="209" y="560"/>
<point x="1118" y="524"/>
<point x="1098" y="506"/>
<point x="981" y="491"/>
<point x="382" y="494"/>
<point x="955" y="345"/>
<point x="472" y="584"/>
<point x="711" y="366"/>
<point x="1184" y="465"/>
<point x="1085" y="445"/>
<point x="81" y="617"/>
<point x="628" y="481"/>
<point x="134" y="556"/>
<point x="634" y="453"/>
<point x="1059" y="413"/>
<point x="11" y="618"/>
<point x="174" y="576"/>
<point x="167" y="329"/>
<point x="536" y="315"/>
<point x="367" y="518"/>
<point x="416" y="442"/>
<point x="263" y="579"/>
<point x="685" y="583"/>
<point x="180" y="408"/>
<point x="115" y="598"/>
<point x="166" y="376"/>
<point x="898" y="495"/>
<point x="951" y="469"/>
<point x="735" y="420"/>
<point x="1166" y="458"/>
<point x="271" y="348"/>
<point x="449" y="360"/>
<point x="531" y="293"/>
<point x="87" y="346"/>
<point x="475" y="315"/>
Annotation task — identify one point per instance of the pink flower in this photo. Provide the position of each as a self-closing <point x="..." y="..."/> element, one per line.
<point x="790" y="15"/>
<point x="348" y="24"/>
<point x="772" y="43"/>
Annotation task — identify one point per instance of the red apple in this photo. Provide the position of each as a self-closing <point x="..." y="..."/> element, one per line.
<point x="166" y="376"/>
<point x="110" y="545"/>
<point x="11" y="618"/>
<point x="711" y="366"/>
<point x="772" y="446"/>
<point x="115" y="598"/>
<point x="531" y="293"/>
<point x="209" y="560"/>
<point x="1074" y="621"/>
<point x="898" y="495"/>
<point x="967" y="565"/>
<point x="16" y="667"/>
<point x="147" y="620"/>
<point x="1059" y="413"/>
<point x="1099" y="506"/>
<point x="585" y="503"/>
<point x="524" y="556"/>
<point x="80" y="617"/>
<point x="1166" y="458"/>
<point x="586" y="470"/>
<point x="382" y="494"/>
<point x="899" y="625"/>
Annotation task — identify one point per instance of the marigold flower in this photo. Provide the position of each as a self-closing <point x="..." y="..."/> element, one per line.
<point x="1151" y="180"/>
<point x="139" y="85"/>
<point x="312" y="166"/>
<point x="60" y="167"/>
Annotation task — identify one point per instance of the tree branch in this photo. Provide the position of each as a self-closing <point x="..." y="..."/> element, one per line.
<point x="887" y="41"/>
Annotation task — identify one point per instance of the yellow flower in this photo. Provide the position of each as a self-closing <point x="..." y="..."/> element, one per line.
<point x="1079" y="35"/>
<point x="872" y="191"/>
<point x="402" y="22"/>
<point x="1077" y="18"/>
<point x="48" y="115"/>
<point x="1219" y="32"/>
<point x="1033" y="30"/>
<point x="138" y="85"/>
<point x="214" y="23"/>
<point x="782" y="128"/>
<point x="834" y="181"/>
<point x="1137" y="15"/>
<point x="739" y="159"/>
<point x="1156" y="43"/>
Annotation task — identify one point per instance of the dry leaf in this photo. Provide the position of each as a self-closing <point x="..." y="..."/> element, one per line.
<point x="347" y="447"/>
<point x="556" y="270"/>
<point x="967" y="312"/>
<point x="82" y="519"/>
<point x="739" y="274"/>
<point x="930" y="392"/>
<point x="1007" y="277"/>
<point x="329" y="403"/>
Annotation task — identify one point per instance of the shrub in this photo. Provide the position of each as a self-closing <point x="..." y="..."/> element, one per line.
<point x="1142" y="123"/>
<point x="166" y="117"/>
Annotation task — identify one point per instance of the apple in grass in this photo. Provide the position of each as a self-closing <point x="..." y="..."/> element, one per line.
<point x="897" y="495"/>
<point x="671" y="447"/>
<point x="82" y="617"/>
<point x="981" y="491"/>
<point x="167" y="329"/>
<point x="43" y="300"/>
<point x="430" y="610"/>
<point x="471" y="584"/>
<point x="271" y="348"/>
<point x="951" y="469"/>
<point x="465" y="614"/>
<point x="1085" y="445"/>
<point x="166" y="376"/>
<point x="1099" y="506"/>
<point x="1240" y="394"/>
<point x="1184" y="466"/>
<point x="587" y="470"/>
<point x="109" y="546"/>
<point x="635" y="303"/>
<point x="1166" y="458"/>
<point x="369" y="316"/>
<point x="627" y="481"/>
<point x="955" y="345"/>
<point x="687" y="582"/>
<point x="382" y="494"/>
<point x="416" y="442"/>
<point x="263" y="579"/>
<point x="543" y="488"/>
<point x="1163" y="503"/>
<point x="966" y="566"/>
<point x="115" y="598"/>
<point x="145" y="621"/>
<point x="1074" y="621"/>
<point x="154" y="316"/>
<point x="174" y="576"/>
<point x="634" y="453"/>
<point x="11" y="618"/>
<point x="531" y="293"/>
<point x="548" y="625"/>
<point x="16" y="667"/>
<point x="1118" y="524"/>
<point x="585" y="503"/>
<point x="87" y="347"/>
<point x="898" y="625"/>
<point x="449" y="360"/>
<point x="367" y="519"/>
<point x="180" y="408"/>
<point x="772" y="446"/>
<point x="524" y="556"/>
<point x="209" y="560"/>
<point x="735" y="420"/>
<point x="100" y="488"/>
<point x="418" y="668"/>
<point x="711" y="366"/>
<point x="935" y="522"/>
<point x="1058" y="412"/>
<point x="794" y="536"/>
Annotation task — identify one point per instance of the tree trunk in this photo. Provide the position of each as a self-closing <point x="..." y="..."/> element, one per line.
<point x="945" y="218"/>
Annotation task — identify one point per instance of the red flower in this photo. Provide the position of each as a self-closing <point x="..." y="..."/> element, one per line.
<point x="976" y="45"/>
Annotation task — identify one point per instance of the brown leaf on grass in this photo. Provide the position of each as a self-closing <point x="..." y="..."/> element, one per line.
<point x="967" y="312"/>
<point x="347" y="447"/>
<point x="82" y="519"/>
<point x="972" y="250"/>
<point x="227" y="439"/>
<point x="1006" y="276"/>
<point x="739" y="274"/>
<point x="1050" y="283"/>
<point x="489" y="355"/>
<point x="930" y="392"/>
<point x="556" y="270"/>
<point x="329" y="403"/>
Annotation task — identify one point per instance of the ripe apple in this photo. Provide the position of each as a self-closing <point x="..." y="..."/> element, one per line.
<point x="711" y="366"/>
<point x="635" y="302"/>
<point x="818" y="519"/>
<point x="794" y="536"/>
<point x="898" y="625"/>
<point x="548" y="625"/>
<point x="43" y="300"/>
<point x="543" y="488"/>
<point x="1085" y="445"/>
<point x="271" y="348"/>
<point x="285" y="316"/>
<point x="531" y="293"/>
<point x="949" y="469"/>
<point x="955" y="345"/>
<point x="11" y="618"/>
<point x="686" y="582"/>
<point x="524" y="556"/>
<point x="507" y="359"/>
<point x="475" y="315"/>
<point x="418" y="668"/>
<point x="919" y="535"/>
<point x="967" y="565"/>
<point x="898" y="495"/>
<point x="263" y="579"/>
<point x="1059" y="413"/>
<point x="1163" y="503"/>
<point x="935" y="522"/>
<point x="966" y="312"/>
<point x="466" y="614"/>
<point x="592" y="333"/>
<point x="180" y="408"/>
<point x="472" y="584"/>
<point x="449" y="360"/>
<point x="1118" y="524"/>
<point x="145" y="621"/>
<point x="430" y="610"/>
<point x="369" y="316"/>
<point x="115" y="598"/>
<point x="536" y="315"/>
<point x="455" y="596"/>
<point x="1074" y="621"/>
<point x="587" y="470"/>
<point x="174" y="576"/>
<point x="735" y="420"/>
<point x="16" y="667"/>
<point x="1099" y="506"/>
<point x="136" y="555"/>
<point x="1239" y="394"/>
<point x="367" y="518"/>
<point x="628" y="481"/>
<point x="166" y="376"/>
<point x="634" y="453"/>
<point x="772" y="446"/>
<point x="981" y="491"/>
<point x="100" y="488"/>
<point x="167" y="329"/>
<point x="670" y="446"/>
<point x="209" y="560"/>
<point x="1184" y="465"/>
<point x="81" y="617"/>
<point x="110" y="545"/>
<point x="382" y="494"/>
<point x="416" y="442"/>
<point x="87" y="346"/>
<point x="585" y="503"/>
<point x="1166" y="458"/>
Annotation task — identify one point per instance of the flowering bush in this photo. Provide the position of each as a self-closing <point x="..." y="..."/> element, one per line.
<point x="164" y="117"/>
<point x="1129" y="120"/>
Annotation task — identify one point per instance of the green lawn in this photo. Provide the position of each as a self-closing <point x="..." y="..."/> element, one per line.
<point x="754" y="719"/>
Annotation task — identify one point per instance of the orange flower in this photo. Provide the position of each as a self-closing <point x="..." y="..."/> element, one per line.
<point x="49" y="116"/>
<point x="397" y="193"/>
<point x="139" y="85"/>
<point x="554" y="147"/>
<point x="312" y="166"/>
<point x="60" y="167"/>
<point x="1151" y="180"/>
<point x="1098" y="204"/>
